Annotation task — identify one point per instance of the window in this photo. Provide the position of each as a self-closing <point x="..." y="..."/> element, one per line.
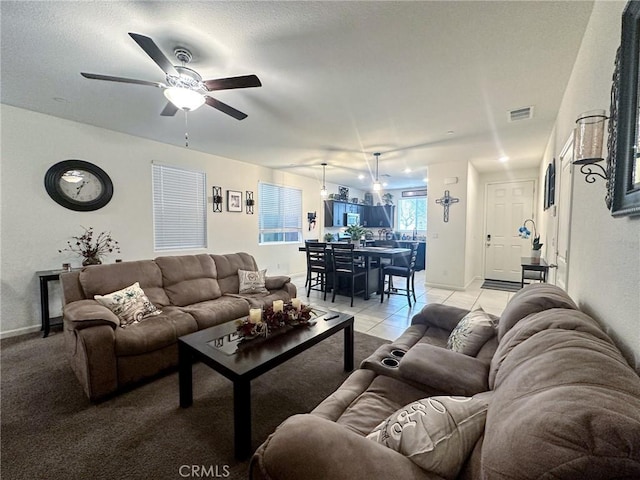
<point x="412" y="214"/>
<point x="280" y="214"/>
<point x="179" y="208"/>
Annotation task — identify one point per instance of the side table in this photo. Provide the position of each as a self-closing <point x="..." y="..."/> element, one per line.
<point x="533" y="269"/>
<point x="47" y="276"/>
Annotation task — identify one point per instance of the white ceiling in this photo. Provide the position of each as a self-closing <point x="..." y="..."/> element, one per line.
<point x="420" y="82"/>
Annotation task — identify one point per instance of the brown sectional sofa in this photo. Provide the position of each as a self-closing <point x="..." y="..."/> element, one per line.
<point x="564" y="403"/>
<point x="193" y="292"/>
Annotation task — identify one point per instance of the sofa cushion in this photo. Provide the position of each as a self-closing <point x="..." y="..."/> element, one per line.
<point x="565" y="392"/>
<point x="437" y="433"/>
<point x="189" y="279"/>
<point x="130" y="304"/>
<point x="154" y="333"/>
<point x="383" y="396"/>
<point x="533" y="298"/>
<point x="471" y="333"/>
<point x="252" y="282"/>
<point x="555" y="318"/>
<point x="104" y="279"/>
<point x="228" y="266"/>
<point x="220" y="310"/>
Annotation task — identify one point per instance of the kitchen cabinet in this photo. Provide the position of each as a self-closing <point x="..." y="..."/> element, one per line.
<point x="334" y="211"/>
<point x="380" y="216"/>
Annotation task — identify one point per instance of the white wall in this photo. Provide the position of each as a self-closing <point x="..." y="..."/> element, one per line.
<point x="34" y="227"/>
<point x="473" y="239"/>
<point x="446" y="242"/>
<point x="604" y="265"/>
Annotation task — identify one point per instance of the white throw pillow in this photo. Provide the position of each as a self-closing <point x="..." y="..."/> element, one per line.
<point x="471" y="333"/>
<point x="130" y="304"/>
<point x="252" y="282"/>
<point x="436" y="433"/>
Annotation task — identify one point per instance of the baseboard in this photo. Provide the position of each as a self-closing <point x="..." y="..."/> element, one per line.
<point x="445" y="286"/>
<point x="19" y="331"/>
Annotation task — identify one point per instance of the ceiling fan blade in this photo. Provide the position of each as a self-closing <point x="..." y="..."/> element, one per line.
<point x="246" y="81"/>
<point x="223" y="107"/>
<point x="169" y="110"/>
<point x="95" y="76"/>
<point x="154" y="52"/>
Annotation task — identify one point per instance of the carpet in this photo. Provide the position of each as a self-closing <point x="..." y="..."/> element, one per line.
<point x="49" y="430"/>
<point x="501" y="285"/>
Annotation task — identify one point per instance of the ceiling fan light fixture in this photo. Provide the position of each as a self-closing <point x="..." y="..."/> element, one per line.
<point x="184" y="98"/>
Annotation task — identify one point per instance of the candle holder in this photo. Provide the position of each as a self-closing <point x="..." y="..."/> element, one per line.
<point x="290" y="316"/>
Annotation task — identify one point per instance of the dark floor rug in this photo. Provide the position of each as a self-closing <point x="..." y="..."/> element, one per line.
<point x="501" y="285"/>
<point x="49" y="430"/>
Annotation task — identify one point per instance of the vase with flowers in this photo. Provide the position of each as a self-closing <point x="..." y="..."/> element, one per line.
<point x="536" y="246"/>
<point x="92" y="247"/>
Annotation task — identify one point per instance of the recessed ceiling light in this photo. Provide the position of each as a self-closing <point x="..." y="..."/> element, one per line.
<point x="504" y="159"/>
<point x="407" y="170"/>
<point x="361" y="176"/>
<point x="385" y="184"/>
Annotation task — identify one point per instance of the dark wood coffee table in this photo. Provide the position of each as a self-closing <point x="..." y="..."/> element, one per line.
<point x="241" y="361"/>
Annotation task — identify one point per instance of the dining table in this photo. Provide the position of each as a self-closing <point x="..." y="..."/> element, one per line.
<point x="372" y="262"/>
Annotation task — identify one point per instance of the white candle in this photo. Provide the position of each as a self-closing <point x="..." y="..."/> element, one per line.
<point x="255" y="315"/>
<point x="296" y="303"/>
<point x="278" y="306"/>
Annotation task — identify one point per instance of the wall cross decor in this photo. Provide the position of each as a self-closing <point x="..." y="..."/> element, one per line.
<point x="446" y="201"/>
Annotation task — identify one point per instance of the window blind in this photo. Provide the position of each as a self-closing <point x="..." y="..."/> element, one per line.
<point x="280" y="214"/>
<point x="179" y="208"/>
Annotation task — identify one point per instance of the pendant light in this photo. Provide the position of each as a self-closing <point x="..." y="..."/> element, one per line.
<point x="323" y="191"/>
<point x="376" y="185"/>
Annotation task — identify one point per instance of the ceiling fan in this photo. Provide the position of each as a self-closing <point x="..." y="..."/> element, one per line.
<point x="184" y="87"/>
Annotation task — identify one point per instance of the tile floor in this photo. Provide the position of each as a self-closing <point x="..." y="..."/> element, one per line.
<point x="389" y="319"/>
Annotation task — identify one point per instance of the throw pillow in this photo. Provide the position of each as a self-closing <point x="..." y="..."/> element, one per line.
<point x="471" y="333"/>
<point x="252" y="282"/>
<point x="436" y="433"/>
<point x="130" y="304"/>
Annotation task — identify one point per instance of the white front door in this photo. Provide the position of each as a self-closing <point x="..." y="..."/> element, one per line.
<point x="508" y="206"/>
<point x="565" y="185"/>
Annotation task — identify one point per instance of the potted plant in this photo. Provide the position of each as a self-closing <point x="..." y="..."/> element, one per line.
<point x="387" y="198"/>
<point x="328" y="237"/>
<point x="524" y="232"/>
<point x="356" y="232"/>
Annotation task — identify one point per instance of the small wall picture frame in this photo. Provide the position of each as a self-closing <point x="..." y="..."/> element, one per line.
<point x="234" y="201"/>
<point x="343" y="193"/>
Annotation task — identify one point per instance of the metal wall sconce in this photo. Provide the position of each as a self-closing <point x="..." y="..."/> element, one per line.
<point x="250" y="202"/>
<point x="217" y="199"/>
<point x="587" y="145"/>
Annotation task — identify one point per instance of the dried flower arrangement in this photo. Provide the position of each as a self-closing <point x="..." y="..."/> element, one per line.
<point x="92" y="247"/>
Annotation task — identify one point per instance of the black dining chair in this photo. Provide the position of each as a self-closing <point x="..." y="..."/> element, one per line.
<point x="317" y="267"/>
<point x="408" y="271"/>
<point x="309" y="240"/>
<point x="347" y="265"/>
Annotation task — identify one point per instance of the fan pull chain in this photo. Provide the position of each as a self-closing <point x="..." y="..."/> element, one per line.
<point x="186" y="129"/>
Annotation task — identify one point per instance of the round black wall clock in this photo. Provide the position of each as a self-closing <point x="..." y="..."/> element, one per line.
<point x="78" y="185"/>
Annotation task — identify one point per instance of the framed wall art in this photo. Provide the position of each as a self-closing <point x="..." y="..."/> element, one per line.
<point x="234" y="201"/>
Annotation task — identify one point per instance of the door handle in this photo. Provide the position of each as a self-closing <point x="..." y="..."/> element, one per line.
<point x="488" y="240"/>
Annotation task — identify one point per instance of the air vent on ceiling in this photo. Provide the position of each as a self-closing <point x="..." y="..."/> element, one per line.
<point x="386" y="175"/>
<point x="523" y="113"/>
